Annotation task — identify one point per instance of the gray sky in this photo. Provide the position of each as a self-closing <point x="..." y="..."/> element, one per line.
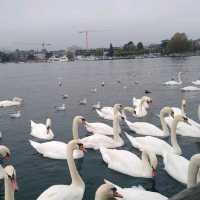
<point x="58" y="21"/>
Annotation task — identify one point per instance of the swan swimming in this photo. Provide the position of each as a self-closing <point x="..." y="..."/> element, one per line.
<point x="76" y="189"/>
<point x="57" y="149"/>
<point x="190" y="89"/>
<point x="130" y="164"/>
<point x="42" y="131"/>
<point x="145" y="128"/>
<point x="61" y="108"/>
<point x="10" y="103"/>
<point x="190" y="129"/>
<point x="197" y="82"/>
<point x="107" y="112"/>
<point x="181" y="169"/>
<point x="153" y="144"/>
<point x="172" y="82"/>
<point x="137" y="193"/>
<point x="98" y="140"/>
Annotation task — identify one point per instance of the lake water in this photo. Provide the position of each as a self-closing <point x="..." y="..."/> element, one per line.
<point x="37" y="84"/>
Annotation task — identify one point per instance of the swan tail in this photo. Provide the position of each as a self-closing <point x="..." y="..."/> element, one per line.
<point x="104" y="154"/>
<point x="36" y="146"/>
<point x="32" y="124"/>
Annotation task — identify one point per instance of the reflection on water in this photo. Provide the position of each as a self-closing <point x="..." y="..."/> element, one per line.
<point x="38" y="85"/>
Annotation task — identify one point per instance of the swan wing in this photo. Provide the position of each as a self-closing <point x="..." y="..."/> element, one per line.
<point x="176" y="166"/>
<point x="124" y="162"/>
<point x="62" y="192"/>
<point x="99" y="128"/>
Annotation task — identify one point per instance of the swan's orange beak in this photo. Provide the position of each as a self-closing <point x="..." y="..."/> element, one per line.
<point x="116" y="194"/>
<point x="82" y="148"/>
<point x="7" y="157"/>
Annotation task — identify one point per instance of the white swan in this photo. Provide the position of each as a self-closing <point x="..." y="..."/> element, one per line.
<point x="146" y="103"/>
<point x="15" y="115"/>
<point x="130" y="164"/>
<point x="57" y="149"/>
<point x="156" y="145"/>
<point x="10" y="182"/>
<point x="137" y="193"/>
<point x="172" y="82"/>
<point x="107" y="112"/>
<point x="76" y="189"/>
<point x="142" y="106"/>
<point x="5" y="154"/>
<point x="181" y="169"/>
<point x="192" y="129"/>
<point x="98" y="140"/>
<point x="145" y="128"/>
<point x="42" y="131"/>
<point x="9" y="103"/>
<point x="190" y="89"/>
<point x="61" y="108"/>
<point x="107" y="191"/>
<point x="197" y="82"/>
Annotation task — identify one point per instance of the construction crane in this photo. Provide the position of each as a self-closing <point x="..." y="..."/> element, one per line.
<point x="86" y="35"/>
<point x="43" y="44"/>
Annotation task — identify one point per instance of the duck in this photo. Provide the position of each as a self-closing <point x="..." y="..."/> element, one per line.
<point x="77" y="187"/>
<point x="15" y="115"/>
<point x="61" y="108"/>
<point x="83" y="102"/>
<point x="190" y="129"/>
<point x="57" y="149"/>
<point x="145" y="128"/>
<point x="137" y="193"/>
<point x="42" y="131"/>
<point x="156" y="145"/>
<point x="5" y="154"/>
<point x="128" y="163"/>
<point x="197" y="82"/>
<point x="98" y="140"/>
<point x="65" y="96"/>
<point x="10" y="182"/>
<point x="190" y="88"/>
<point x="141" y="106"/>
<point x="107" y="191"/>
<point x="173" y="82"/>
<point x="183" y="170"/>
<point x="107" y="112"/>
<point x="97" y="105"/>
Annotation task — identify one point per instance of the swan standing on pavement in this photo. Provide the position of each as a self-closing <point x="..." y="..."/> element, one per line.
<point x="145" y="128"/>
<point x="153" y="144"/>
<point x="10" y="182"/>
<point x="107" y="191"/>
<point x="42" y="131"/>
<point x="137" y="193"/>
<point x="107" y="112"/>
<point x="5" y="153"/>
<point x="76" y="189"/>
<point x="98" y="140"/>
<point x="191" y="130"/>
<point x="172" y="82"/>
<point x="130" y="164"/>
<point x="57" y="149"/>
<point x="183" y="170"/>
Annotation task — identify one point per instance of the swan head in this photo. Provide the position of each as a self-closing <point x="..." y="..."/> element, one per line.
<point x="181" y="118"/>
<point x="146" y="101"/>
<point x="79" y="120"/>
<point x="117" y="107"/>
<point x="167" y="110"/>
<point x="4" y="151"/>
<point x="10" y="174"/>
<point x="107" y="191"/>
<point x="76" y="145"/>
<point x="48" y="125"/>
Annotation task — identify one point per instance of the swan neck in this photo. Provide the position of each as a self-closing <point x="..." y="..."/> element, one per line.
<point x="193" y="170"/>
<point x="174" y="142"/>
<point x="116" y="127"/>
<point x="9" y="193"/>
<point x="163" y="123"/>
<point x="100" y="196"/>
<point x="141" y="104"/>
<point x="182" y="109"/>
<point x="145" y="160"/>
<point x="75" y="127"/>
<point x="179" y="78"/>
<point x="76" y="178"/>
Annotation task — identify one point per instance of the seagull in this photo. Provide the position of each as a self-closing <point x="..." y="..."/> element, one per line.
<point x="61" y="108"/>
<point x="97" y="106"/>
<point x="94" y="90"/>
<point x="15" y="115"/>
<point x="83" y="102"/>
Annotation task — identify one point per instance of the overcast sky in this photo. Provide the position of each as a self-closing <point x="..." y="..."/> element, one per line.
<point x="118" y="21"/>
